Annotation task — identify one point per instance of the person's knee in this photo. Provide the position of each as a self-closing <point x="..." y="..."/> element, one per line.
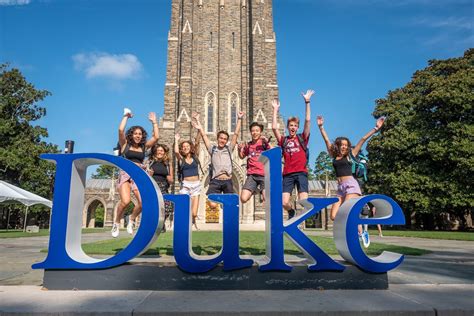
<point x="124" y="203"/>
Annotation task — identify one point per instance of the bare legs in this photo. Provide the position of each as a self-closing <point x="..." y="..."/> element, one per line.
<point x="194" y="208"/>
<point x="125" y="199"/>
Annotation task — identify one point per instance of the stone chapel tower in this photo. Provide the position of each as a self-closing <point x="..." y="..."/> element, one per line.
<point x="221" y="60"/>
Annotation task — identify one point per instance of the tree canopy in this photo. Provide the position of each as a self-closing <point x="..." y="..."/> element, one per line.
<point x="21" y="142"/>
<point x="424" y="155"/>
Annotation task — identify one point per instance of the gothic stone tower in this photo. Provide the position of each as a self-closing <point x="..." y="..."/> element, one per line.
<point x="221" y="60"/>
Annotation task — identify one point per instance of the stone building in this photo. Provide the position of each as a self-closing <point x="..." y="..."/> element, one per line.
<point x="221" y="60"/>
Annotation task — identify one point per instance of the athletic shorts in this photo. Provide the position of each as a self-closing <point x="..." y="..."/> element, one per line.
<point x="350" y="186"/>
<point x="192" y="188"/>
<point x="254" y="182"/>
<point x="298" y="179"/>
<point x="220" y="186"/>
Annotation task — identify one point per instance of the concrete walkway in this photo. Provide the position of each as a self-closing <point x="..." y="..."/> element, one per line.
<point x="440" y="283"/>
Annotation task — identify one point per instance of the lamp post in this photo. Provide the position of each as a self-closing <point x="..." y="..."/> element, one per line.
<point x="69" y="147"/>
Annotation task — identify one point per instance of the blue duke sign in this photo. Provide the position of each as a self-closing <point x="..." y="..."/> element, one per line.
<point x="65" y="251"/>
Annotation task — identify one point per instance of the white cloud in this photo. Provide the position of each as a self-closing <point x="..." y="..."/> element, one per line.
<point x="118" y="67"/>
<point x="14" y="2"/>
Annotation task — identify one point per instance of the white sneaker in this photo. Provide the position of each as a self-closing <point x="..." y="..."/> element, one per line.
<point x="130" y="227"/>
<point x="365" y="239"/>
<point x="115" y="230"/>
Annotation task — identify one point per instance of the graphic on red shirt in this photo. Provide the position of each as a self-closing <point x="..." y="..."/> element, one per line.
<point x="294" y="155"/>
<point x="253" y="152"/>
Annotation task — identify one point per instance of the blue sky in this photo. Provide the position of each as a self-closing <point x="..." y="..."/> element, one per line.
<point x="98" y="56"/>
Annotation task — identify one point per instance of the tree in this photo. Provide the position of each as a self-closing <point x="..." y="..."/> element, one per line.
<point x="323" y="166"/>
<point x="21" y="142"/>
<point x="424" y="155"/>
<point x="105" y="172"/>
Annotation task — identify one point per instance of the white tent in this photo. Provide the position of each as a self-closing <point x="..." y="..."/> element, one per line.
<point x="10" y="193"/>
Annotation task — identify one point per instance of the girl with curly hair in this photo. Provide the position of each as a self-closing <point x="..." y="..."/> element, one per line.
<point x="133" y="146"/>
<point x="161" y="170"/>
<point x="341" y="150"/>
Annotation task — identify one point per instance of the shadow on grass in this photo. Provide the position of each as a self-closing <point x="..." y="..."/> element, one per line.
<point x="207" y="251"/>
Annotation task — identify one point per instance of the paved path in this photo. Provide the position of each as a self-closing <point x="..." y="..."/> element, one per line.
<point x="440" y="283"/>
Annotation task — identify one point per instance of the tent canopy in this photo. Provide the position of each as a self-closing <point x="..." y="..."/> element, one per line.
<point x="9" y="192"/>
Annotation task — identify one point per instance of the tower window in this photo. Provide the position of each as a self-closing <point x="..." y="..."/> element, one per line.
<point x="209" y="111"/>
<point x="233" y="40"/>
<point x="233" y="109"/>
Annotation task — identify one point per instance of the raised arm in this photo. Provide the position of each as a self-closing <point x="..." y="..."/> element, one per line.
<point x="241" y="149"/>
<point x="233" y="141"/>
<point x="276" y="107"/>
<point x="374" y="130"/>
<point x="197" y="140"/>
<point x="197" y="125"/>
<point x="325" y="135"/>
<point x="176" y="146"/>
<point x="156" y="134"/>
<point x="121" y="132"/>
<point x="307" y="122"/>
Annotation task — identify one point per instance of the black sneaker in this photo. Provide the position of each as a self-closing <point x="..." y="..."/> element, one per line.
<point x="291" y="214"/>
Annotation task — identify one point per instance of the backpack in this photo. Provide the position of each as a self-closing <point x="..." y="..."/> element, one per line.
<point x="213" y="150"/>
<point x="302" y="144"/>
<point x="180" y="168"/>
<point x="359" y="165"/>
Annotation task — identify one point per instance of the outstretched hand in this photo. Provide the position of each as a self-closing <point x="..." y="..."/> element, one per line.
<point x="177" y="137"/>
<point x="276" y="105"/>
<point x="152" y="117"/>
<point x="240" y="114"/>
<point x="320" y="120"/>
<point x="195" y="116"/>
<point x="307" y="96"/>
<point x="379" y="122"/>
<point x="197" y="125"/>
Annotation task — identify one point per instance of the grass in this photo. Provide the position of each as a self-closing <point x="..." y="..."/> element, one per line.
<point x="12" y="233"/>
<point x="251" y="243"/>
<point x="466" y="236"/>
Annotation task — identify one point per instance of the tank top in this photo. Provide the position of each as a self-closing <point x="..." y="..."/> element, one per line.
<point x="189" y="170"/>
<point x="343" y="167"/>
<point x="160" y="171"/>
<point x="134" y="156"/>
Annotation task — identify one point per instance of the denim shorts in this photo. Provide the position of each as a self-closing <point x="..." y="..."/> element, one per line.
<point x="350" y="186"/>
<point x="298" y="179"/>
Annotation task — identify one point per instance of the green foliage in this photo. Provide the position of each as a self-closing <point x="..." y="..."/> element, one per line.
<point x="105" y="172"/>
<point x="424" y="155"/>
<point x="323" y="167"/>
<point x="21" y="142"/>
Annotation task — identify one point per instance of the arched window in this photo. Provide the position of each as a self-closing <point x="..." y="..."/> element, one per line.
<point x="210" y="107"/>
<point x="233" y="109"/>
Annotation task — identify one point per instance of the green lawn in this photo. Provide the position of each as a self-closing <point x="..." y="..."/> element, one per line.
<point x="467" y="236"/>
<point x="251" y="243"/>
<point x="43" y="232"/>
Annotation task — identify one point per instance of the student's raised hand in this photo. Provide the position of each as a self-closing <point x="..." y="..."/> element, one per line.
<point x="307" y="96"/>
<point x="320" y="120"/>
<point x="177" y="137"/>
<point x="241" y="146"/>
<point x="379" y="123"/>
<point x="240" y="115"/>
<point x="197" y="125"/>
<point x="195" y="116"/>
<point x="152" y="117"/>
<point x="276" y="105"/>
<point x="127" y="112"/>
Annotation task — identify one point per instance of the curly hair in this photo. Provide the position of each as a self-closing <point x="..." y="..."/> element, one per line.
<point x="191" y="145"/>
<point x="336" y="146"/>
<point x="166" y="157"/>
<point x="130" y="132"/>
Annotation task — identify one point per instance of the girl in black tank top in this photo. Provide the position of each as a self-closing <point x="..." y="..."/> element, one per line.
<point x="340" y="152"/>
<point x="133" y="145"/>
<point x="161" y="170"/>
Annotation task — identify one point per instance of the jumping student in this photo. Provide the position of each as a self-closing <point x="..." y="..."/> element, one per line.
<point x="341" y="151"/>
<point x="295" y="153"/>
<point x="188" y="170"/>
<point x="161" y="170"/>
<point x="255" y="181"/>
<point x="133" y="146"/>
<point x="221" y="158"/>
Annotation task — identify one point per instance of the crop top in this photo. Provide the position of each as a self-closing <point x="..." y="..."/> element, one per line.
<point x="134" y="156"/>
<point x="189" y="170"/>
<point x="343" y="167"/>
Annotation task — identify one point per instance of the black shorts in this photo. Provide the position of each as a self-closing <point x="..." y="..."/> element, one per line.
<point x="254" y="182"/>
<point x="220" y="186"/>
<point x="298" y="179"/>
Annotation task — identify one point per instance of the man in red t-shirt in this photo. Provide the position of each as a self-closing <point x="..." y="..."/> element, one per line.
<point x="255" y="169"/>
<point x="294" y="147"/>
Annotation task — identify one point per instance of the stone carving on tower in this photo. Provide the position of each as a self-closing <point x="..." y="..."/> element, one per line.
<point x="221" y="60"/>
